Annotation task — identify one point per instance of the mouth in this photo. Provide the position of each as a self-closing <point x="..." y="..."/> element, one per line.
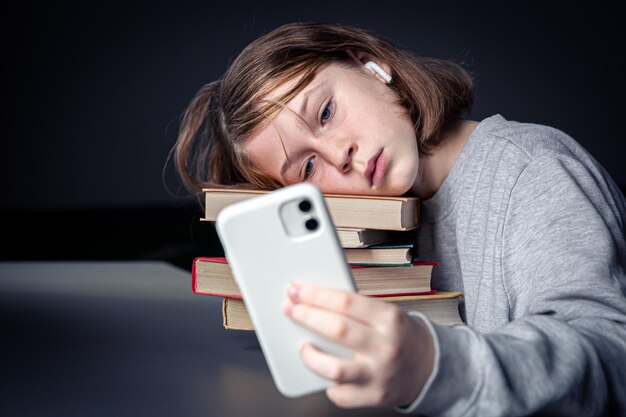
<point x="375" y="170"/>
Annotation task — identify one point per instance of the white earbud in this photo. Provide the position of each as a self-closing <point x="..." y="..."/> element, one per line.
<point x="374" y="68"/>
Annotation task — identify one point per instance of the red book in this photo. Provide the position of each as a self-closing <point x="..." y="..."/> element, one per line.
<point x="213" y="276"/>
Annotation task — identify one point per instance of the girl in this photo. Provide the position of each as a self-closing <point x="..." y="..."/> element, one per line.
<point x="521" y="218"/>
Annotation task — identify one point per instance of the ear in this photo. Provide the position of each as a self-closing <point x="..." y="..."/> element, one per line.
<point x="372" y="65"/>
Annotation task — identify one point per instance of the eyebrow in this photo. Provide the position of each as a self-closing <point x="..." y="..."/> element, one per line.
<point x="302" y="113"/>
<point x="283" y="170"/>
<point x="305" y="101"/>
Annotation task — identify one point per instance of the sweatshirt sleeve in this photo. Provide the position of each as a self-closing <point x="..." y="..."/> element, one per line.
<point x="564" y="350"/>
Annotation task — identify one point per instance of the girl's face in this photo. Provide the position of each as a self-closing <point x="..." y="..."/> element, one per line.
<point x="343" y="132"/>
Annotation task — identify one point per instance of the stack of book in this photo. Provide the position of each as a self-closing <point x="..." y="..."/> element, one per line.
<point x="376" y="235"/>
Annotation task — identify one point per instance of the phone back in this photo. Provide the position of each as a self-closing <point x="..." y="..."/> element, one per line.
<point x="270" y="241"/>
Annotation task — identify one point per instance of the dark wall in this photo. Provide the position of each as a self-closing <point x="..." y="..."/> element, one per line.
<point x="92" y="94"/>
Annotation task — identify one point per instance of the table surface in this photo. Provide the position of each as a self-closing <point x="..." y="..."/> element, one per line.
<point x="130" y="339"/>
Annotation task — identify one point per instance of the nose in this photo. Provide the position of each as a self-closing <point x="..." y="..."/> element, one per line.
<point x="341" y="156"/>
<point x="347" y="163"/>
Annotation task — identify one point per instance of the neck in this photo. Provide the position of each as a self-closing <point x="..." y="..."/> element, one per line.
<point x="434" y="168"/>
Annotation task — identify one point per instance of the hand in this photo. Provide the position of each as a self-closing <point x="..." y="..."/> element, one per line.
<point x="394" y="353"/>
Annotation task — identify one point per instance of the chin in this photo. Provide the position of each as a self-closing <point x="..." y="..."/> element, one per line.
<point x="398" y="191"/>
<point x="399" y="188"/>
<point x="391" y="190"/>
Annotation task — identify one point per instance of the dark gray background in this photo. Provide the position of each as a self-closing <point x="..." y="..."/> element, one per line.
<point x="92" y="94"/>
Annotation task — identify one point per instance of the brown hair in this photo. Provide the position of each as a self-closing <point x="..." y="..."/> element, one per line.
<point x="224" y="113"/>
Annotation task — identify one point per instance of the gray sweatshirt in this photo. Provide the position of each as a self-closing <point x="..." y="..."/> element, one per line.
<point x="531" y="228"/>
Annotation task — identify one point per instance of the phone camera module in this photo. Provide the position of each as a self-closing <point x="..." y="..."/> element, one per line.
<point x="304" y="206"/>
<point x="311" y="224"/>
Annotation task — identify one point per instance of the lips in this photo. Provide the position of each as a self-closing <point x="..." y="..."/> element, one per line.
<point x="375" y="170"/>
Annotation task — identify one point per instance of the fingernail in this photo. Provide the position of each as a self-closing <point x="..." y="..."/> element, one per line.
<point x="294" y="291"/>
<point x="288" y="308"/>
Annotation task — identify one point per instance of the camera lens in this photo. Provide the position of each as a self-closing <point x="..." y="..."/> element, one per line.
<point x="304" y="206"/>
<point x="311" y="224"/>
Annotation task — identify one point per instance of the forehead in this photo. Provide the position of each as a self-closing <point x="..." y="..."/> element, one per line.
<point x="326" y="73"/>
<point x="269" y="146"/>
<point x="327" y="76"/>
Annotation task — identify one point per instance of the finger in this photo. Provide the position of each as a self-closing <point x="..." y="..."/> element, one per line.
<point x="333" y="326"/>
<point x="359" y="307"/>
<point x="340" y="370"/>
<point x="355" y="395"/>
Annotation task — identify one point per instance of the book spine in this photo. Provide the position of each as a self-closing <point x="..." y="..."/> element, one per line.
<point x="194" y="275"/>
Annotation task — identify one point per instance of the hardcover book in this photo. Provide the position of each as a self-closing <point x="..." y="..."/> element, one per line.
<point x="213" y="276"/>
<point x="348" y="211"/>
<point x="361" y="238"/>
<point x="381" y="255"/>
<point x="441" y="308"/>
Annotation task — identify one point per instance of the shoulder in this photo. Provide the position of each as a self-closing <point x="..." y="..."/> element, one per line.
<point x="543" y="168"/>
<point x="538" y="152"/>
<point x="530" y="140"/>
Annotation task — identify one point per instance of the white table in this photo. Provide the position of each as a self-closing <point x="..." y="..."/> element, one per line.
<point x="130" y="339"/>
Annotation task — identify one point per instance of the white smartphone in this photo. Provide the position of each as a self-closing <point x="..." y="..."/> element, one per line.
<point x="270" y="241"/>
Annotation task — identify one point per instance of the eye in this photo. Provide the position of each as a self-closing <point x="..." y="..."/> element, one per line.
<point x="309" y="168"/>
<point x="327" y="112"/>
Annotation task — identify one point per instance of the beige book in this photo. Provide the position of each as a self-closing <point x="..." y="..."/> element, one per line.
<point x="350" y="237"/>
<point x="213" y="276"/>
<point x="387" y="255"/>
<point x="441" y="308"/>
<point x="350" y="211"/>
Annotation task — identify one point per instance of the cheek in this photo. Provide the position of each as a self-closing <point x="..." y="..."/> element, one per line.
<point x="408" y="174"/>
<point x="264" y="158"/>
<point x="409" y="156"/>
<point x="330" y="184"/>
<point x="337" y="183"/>
<point x="408" y="141"/>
